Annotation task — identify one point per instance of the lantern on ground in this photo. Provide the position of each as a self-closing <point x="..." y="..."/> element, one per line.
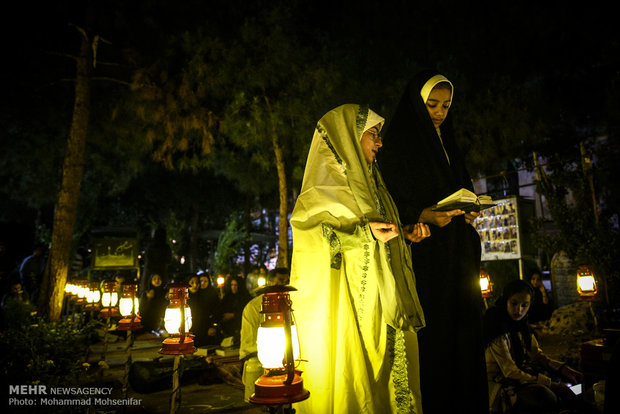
<point x="109" y="299"/>
<point x="81" y="290"/>
<point x="177" y="322"/>
<point x="586" y="283"/>
<point x="486" y="287"/>
<point x="278" y="348"/>
<point x="128" y="306"/>
<point x="69" y="288"/>
<point x="93" y="296"/>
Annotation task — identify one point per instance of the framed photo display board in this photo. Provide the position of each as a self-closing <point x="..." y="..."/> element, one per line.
<point x="501" y="229"/>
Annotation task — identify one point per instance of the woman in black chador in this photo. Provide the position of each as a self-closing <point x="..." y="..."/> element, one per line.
<point x="422" y="165"/>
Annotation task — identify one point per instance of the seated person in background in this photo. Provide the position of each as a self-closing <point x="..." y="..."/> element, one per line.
<point x="153" y="304"/>
<point x="540" y="309"/>
<point x="211" y="301"/>
<point x="235" y="298"/>
<point x="203" y="302"/>
<point x="250" y="321"/>
<point x="519" y="373"/>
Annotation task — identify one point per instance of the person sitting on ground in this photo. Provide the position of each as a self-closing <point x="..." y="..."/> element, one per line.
<point x="231" y="307"/>
<point x="520" y="376"/>
<point x="153" y="305"/>
<point x="211" y="302"/>
<point x="250" y="321"/>
<point x="540" y="309"/>
<point x="203" y="303"/>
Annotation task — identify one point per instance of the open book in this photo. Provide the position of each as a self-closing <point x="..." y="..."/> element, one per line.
<point x="464" y="200"/>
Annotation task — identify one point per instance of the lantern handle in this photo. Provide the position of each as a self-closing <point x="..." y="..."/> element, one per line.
<point x="289" y="363"/>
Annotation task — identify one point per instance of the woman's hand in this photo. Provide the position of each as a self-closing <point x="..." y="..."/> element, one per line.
<point x="438" y="218"/>
<point x="471" y="216"/>
<point x="574" y="376"/>
<point x="383" y="232"/>
<point x="416" y="232"/>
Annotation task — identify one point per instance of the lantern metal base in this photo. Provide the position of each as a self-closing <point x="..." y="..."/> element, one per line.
<point x="174" y="346"/>
<point x="128" y="324"/>
<point x="271" y="390"/>
<point x="109" y="312"/>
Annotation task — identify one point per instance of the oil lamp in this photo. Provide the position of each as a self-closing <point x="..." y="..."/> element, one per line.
<point x="109" y="299"/>
<point x="128" y="306"/>
<point x="278" y="348"/>
<point x="93" y="296"/>
<point x="586" y="283"/>
<point x="81" y="288"/>
<point x="486" y="287"/>
<point x="69" y="287"/>
<point x="220" y="281"/>
<point x="177" y="322"/>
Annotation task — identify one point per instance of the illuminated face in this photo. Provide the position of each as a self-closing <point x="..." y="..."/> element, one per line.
<point x="371" y="142"/>
<point x="518" y="305"/>
<point x="156" y="280"/>
<point x="194" y="284"/>
<point x="234" y="287"/>
<point x="438" y="104"/>
<point x="204" y="282"/>
<point x="535" y="280"/>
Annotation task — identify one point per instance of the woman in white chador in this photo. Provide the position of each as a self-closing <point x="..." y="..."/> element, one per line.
<point x="356" y="307"/>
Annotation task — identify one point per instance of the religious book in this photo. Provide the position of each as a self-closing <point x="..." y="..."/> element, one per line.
<point x="465" y="200"/>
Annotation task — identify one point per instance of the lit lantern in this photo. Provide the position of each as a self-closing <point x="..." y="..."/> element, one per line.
<point x="177" y="322"/>
<point x="278" y="348"/>
<point x="586" y="283"/>
<point x="128" y="306"/>
<point x="68" y="287"/>
<point x="109" y="299"/>
<point x="220" y="281"/>
<point x="93" y="295"/>
<point x="81" y="290"/>
<point x="486" y="287"/>
<point x="261" y="281"/>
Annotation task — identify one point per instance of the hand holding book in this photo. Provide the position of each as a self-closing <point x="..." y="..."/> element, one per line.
<point x="464" y="200"/>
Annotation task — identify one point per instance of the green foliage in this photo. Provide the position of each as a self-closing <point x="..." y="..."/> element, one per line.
<point x="588" y="237"/>
<point x="44" y="352"/>
<point x="228" y="246"/>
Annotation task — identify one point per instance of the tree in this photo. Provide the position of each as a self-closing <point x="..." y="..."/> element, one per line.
<point x="52" y="293"/>
<point x="587" y="232"/>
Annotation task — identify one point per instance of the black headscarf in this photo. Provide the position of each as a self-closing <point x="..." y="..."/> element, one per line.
<point x="497" y="322"/>
<point x="411" y="140"/>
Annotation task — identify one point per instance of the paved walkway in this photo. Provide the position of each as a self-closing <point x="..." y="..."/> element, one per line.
<point x="218" y="391"/>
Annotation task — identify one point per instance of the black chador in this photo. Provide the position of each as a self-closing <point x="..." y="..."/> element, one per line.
<point x="421" y="166"/>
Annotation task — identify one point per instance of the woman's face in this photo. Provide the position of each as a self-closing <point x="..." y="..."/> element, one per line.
<point x="535" y="280"/>
<point x="194" y="285"/>
<point x="518" y="305"/>
<point x="371" y="142"/>
<point x="234" y="287"/>
<point x="204" y="282"/>
<point x="156" y="280"/>
<point x="438" y="104"/>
